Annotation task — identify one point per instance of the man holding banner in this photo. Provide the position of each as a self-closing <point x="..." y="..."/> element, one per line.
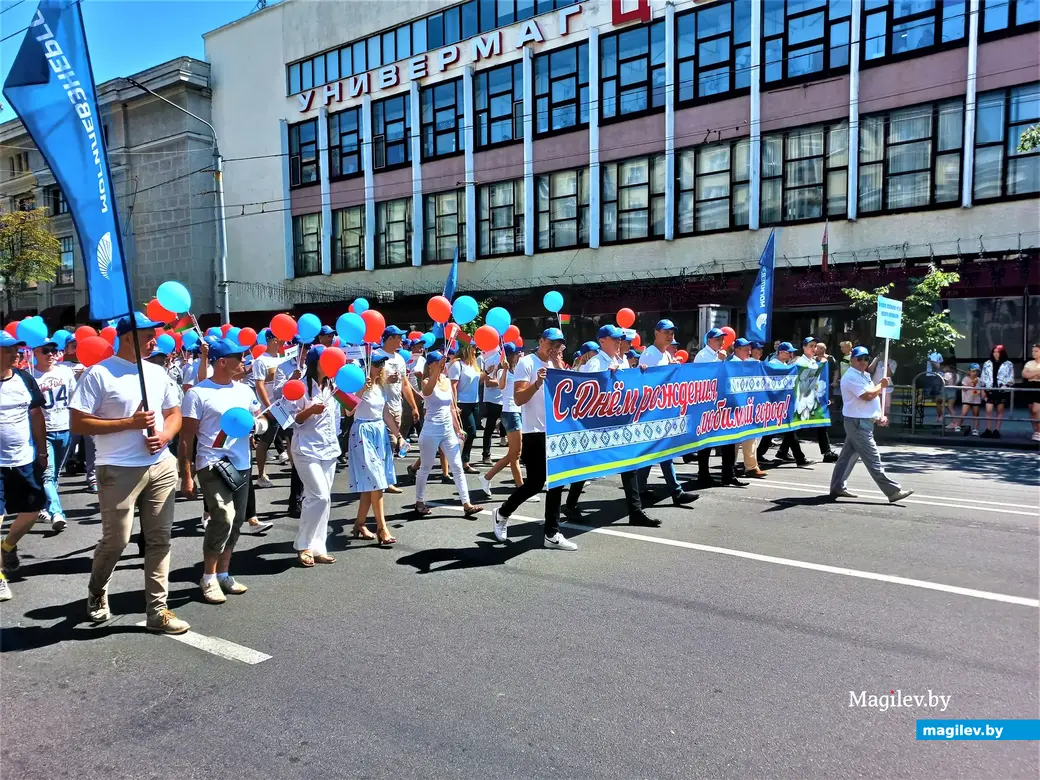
<point x="711" y="353"/>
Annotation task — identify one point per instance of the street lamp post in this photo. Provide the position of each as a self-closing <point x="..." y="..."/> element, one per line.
<point x="218" y="164"/>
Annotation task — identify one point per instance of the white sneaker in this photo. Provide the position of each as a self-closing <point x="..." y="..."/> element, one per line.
<point x="5" y="591"/>
<point x="261" y="526"/>
<point x="952" y="427"/>
<point x="1036" y="437"/>
<point x="264" y="482"/>
<point x="58" y="522"/>
<point x="205" y="520"/>
<point x="44" y="516"/>
<point x="485" y="484"/>
<point x="559" y="543"/>
<point x="534" y="500"/>
<point x="974" y="431"/>
<point x="899" y="496"/>
<point x="283" y="458"/>
<point x="498" y="526"/>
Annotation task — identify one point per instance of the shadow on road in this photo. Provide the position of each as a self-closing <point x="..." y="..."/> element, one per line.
<point x="1017" y="468"/>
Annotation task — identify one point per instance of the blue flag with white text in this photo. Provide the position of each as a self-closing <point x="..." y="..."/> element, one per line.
<point x="51" y="88"/>
<point x="449" y="290"/>
<point x="760" y="302"/>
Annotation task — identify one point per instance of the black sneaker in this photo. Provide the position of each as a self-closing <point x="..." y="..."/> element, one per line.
<point x="996" y="434"/>
<point x="987" y="434"/>
<point x="783" y="457"/>
<point x="684" y="497"/>
<point x="9" y="560"/>
<point x="806" y="463"/>
<point x="295" y="511"/>
<point x="647" y="497"/>
<point x="572" y="513"/>
<point x="830" y="457"/>
<point x="643" y="519"/>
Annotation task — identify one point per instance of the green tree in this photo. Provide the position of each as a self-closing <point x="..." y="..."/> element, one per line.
<point x="1030" y="139"/>
<point x="28" y="251"/>
<point x="926" y="327"/>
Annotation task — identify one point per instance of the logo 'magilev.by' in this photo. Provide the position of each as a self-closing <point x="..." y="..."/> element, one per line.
<point x="104" y="254"/>
<point x="897" y="699"/>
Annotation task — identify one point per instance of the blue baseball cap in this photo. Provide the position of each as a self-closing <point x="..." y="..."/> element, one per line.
<point x="436" y="356"/>
<point x="554" y="334"/>
<point x="628" y="334"/>
<point x="315" y="352"/>
<point x="972" y="367"/>
<point x="741" y="343"/>
<point x="326" y="330"/>
<point x="715" y="333"/>
<point x="269" y="334"/>
<point x="454" y="348"/>
<point x="664" y="325"/>
<point x="610" y="332"/>
<point x="393" y="330"/>
<point x="511" y="349"/>
<point x="225" y="348"/>
<point x="379" y="357"/>
<point x="587" y="347"/>
<point x="124" y="326"/>
<point x="631" y="354"/>
<point x="7" y="340"/>
<point x="675" y="343"/>
<point x="757" y="345"/>
<point x="807" y="341"/>
<point x="857" y="352"/>
<point x="787" y="346"/>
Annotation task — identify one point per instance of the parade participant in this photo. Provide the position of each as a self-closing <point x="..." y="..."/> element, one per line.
<point x="290" y="368"/>
<point x="414" y="369"/>
<point x="326" y="336"/>
<point x="81" y="448"/>
<point x="998" y="374"/>
<point x="264" y="380"/>
<point x="742" y="349"/>
<point x="808" y="359"/>
<point x="56" y="383"/>
<point x="510" y="421"/>
<point x="758" y="351"/>
<point x="673" y="348"/>
<point x="315" y="447"/>
<point x="789" y="441"/>
<point x="371" y="455"/>
<point x="441" y="431"/>
<point x="713" y="352"/>
<point x="862" y="411"/>
<point x="492" y="370"/>
<point x="395" y="387"/>
<point x="632" y="357"/>
<point x="528" y="392"/>
<point x="464" y="374"/>
<point x="134" y="465"/>
<point x="223" y="470"/>
<point x="23" y="454"/>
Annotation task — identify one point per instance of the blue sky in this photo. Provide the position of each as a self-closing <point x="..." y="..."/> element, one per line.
<point x="127" y="36"/>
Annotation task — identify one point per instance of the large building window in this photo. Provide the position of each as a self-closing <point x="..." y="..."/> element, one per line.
<point x="306" y="230"/>
<point x="394" y="233"/>
<point x="903" y="27"/>
<point x="1001" y="15"/>
<point x="345" y="143"/>
<point x="348" y="239"/>
<point x="911" y="158"/>
<point x="303" y="153"/>
<point x="66" y="270"/>
<point x="499" y="104"/>
<point x="714" y="51"/>
<point x="56" y="201"/>
<point x="563" y="209"/>
<point x="632" y="71"/>
<point x="442" y="122"/>
<point x="805" y="174"/>
<point x="805" y="37"/>
<point x="391" y="130"/>
<point x="445" y="226"/>
<point x="1001" y="118"/>
<point x="633" y="199"/>
<point x="713" y="187"/>
<point x="561" y="89"/>
<point x="500" y="223"/>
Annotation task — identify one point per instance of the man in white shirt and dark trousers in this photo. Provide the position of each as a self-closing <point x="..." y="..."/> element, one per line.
<point x="711" y="353"/>
<point x="23" y="454"/>
<point x="528" y="392"/>
<point x="134" y="466"/>
<point x="862" y="409"/>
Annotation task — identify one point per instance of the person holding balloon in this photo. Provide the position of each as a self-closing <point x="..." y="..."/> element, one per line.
<point x="464" y="374"/>
<point x="510" y="416"/>
<point x="57" y="383"/>
<point x="395" y="387"/>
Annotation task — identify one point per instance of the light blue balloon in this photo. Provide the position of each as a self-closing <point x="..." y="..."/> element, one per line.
<point x="499" y="319"/>
<point x="61" y="338"/>
<point x="261" y="336"/>
<point x="215" y="333"/>
<point x="308" y="327"/>
<point x="464" y="310"/>
<point x="361" y="306"/>
<point x="174" y="296"/>
<point x="553" y="301"/>
<point x="351" y="328"/>
<point x="237" y="422"/>
<point x="406" y="354"/>
<point x="165" y="343"/>
<point x="350" y="378"/>
<point x="233" y="334"/>
<point x="428" y="339"/>
<point x="33" y="331"/>
<point x="190" y="339"/>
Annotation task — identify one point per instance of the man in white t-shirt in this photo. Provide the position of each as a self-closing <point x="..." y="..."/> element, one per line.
<point x="264" y="379"/>
<point x="134" y="465"/>
<point x="395" y="386"/>
<point x="23" y="454"/>
<point x="218" y="459"/>
<point x="528" y="392"/>
<point x="489" y="363"/>
<point x="56" y="383"/>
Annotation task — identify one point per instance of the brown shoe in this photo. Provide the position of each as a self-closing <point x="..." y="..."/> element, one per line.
<point x="757" y="474"/>
<point x="165" y="622"/>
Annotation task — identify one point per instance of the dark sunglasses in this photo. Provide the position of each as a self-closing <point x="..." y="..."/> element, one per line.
<point x="48" y="350"/>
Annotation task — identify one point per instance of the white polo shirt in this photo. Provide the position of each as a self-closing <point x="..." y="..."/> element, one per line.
<point x="601" y="361"/>
<point x="853" y="385"/>
<point x="652" y="356"/>
<point x="706" y="355"/>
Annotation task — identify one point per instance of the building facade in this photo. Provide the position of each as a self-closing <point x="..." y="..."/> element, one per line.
<point x="162" y="173"/>
<point x="633" y="152"/>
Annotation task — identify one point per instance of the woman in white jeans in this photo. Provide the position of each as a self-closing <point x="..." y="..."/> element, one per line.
<point x="315" y="447"/>
<point x="441" y="430"/>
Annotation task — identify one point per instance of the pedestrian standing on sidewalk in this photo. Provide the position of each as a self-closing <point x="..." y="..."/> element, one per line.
<point x="998" y="374"/>
<point x="56" y="383"/>
<point x="1031" y="389"/>
<point x="134" y="466"/>
<point x="862" y="411"/>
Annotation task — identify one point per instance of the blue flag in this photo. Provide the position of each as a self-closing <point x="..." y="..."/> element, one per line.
<point x="449" y="290"/>
<point x="760" y="302"/>
<point x="51" y="88"/>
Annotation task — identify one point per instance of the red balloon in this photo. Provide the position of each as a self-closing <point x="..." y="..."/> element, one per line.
<point x="351" y="309"/>
<point x="11" y="328"/>
<point x="414" y="335"/>
<point x="729" y="337"/>
<point x="155" y="312"/>
<point x="374" y="327"/>
<point x="283" y="327"/>
<point x="519" y="341"/>
<point x="682" y="355"/>
<point x="178" y="340"/>
<point x="93" y="349"/>
<point x="83" y="332"/>
<point x="636" y="341"/>
<point x="439" y="308"/>
<point x="258" y="350"/>
<point x="332" y="360"/>
<point x="511" y="335"/>
<point x="225" y="328"/>
<point x="247" y="337"/>
<point x="294" y="389"/>
<point x="108" y="334"/>
<point x="626" y="318"/>
<point x="486" y="338"/>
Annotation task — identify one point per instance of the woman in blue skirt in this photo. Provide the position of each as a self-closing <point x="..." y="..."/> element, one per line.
<point x="371" y="455"/>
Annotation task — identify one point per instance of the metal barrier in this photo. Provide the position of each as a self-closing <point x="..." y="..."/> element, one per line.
<point x="918" y="402"/>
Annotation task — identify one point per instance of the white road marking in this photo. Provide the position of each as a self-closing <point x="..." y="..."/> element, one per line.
<point x="821" y="567"/>
<point x="972" y="501"/>
<point x="219" y="647"/>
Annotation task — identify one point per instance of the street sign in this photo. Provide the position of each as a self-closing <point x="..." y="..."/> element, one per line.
<point x="889" y="318"/>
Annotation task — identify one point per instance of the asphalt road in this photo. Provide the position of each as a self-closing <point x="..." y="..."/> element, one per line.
<point x="724" y="644"/>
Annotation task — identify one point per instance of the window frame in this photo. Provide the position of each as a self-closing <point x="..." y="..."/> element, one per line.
<point x="579" y="86"/>
<point x="336" y="153"/>
<point x="431" y="226"/>
<point x="297" y="155"/>
<point x="66" y="270"/>
<point x="487" y="224"/>
<point x="380" y="137"/>
<point x="430" y="126"/>
<point x="652" y="160"/>
<point x="829" y="24"/>
<point x="647" y="83"/>
<point x="582" y="212"/>
<point x="1006" y="126"/>
<point x="886" y="13"/>
<point x="382" y="240"/>
<point x="57" y="203"/>
<point x="1014" y="27"/>
<point x="827" y="128"/>
<point x="339" y="228"/>
<point x="484" y="115"/>
<point x="299" y="236"/>
<point x="734" y="183"/>
<point x="730" y="62"/>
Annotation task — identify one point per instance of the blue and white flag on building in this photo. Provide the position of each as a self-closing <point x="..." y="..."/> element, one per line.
<point x="449" y="290"/>
<point x="760" y="302"/>
<point x="51" y="87"/>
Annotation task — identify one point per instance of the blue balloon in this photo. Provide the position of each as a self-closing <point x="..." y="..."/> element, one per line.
<point x="190" y="339"/>
<point x="236" y="422"/>
<point x="360" y="306"/>
<point x="350" y="378"/>
<point x="351" y="328"/>
<point x="464" y="310"/>
<point x="215" y="333"/>
<point x="428" y="339"/>
<point x="499" y="319"/>
<point x="165" y="344"/>
<point x="261" y="336"/>
<point x="174" y="296"/>
<point x="404" y="353"/>
<point x="308" y="327"/>
<point x="553" y="301"/>
<point x="233" y="334"/>
<point x="61" y="338"/>
<point x="33" y="331"/>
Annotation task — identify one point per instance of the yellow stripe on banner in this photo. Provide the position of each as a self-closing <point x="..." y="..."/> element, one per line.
<point x="657" y="457"/>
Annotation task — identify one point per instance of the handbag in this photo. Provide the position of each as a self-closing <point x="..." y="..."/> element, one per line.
<point x="229" y="475"/>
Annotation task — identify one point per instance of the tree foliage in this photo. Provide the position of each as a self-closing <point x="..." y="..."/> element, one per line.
<point x="926" y="327"/>
<point x="1030" y="139"/>
<point x="28" y="251"/>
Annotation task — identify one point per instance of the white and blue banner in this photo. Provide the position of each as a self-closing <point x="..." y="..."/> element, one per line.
<point x="51" y="88"/>
<point x="760" y="302"/>
<point x="609" y="422"/>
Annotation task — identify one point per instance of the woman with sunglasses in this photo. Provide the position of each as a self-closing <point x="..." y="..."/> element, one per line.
<point x="56" y="382"/>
